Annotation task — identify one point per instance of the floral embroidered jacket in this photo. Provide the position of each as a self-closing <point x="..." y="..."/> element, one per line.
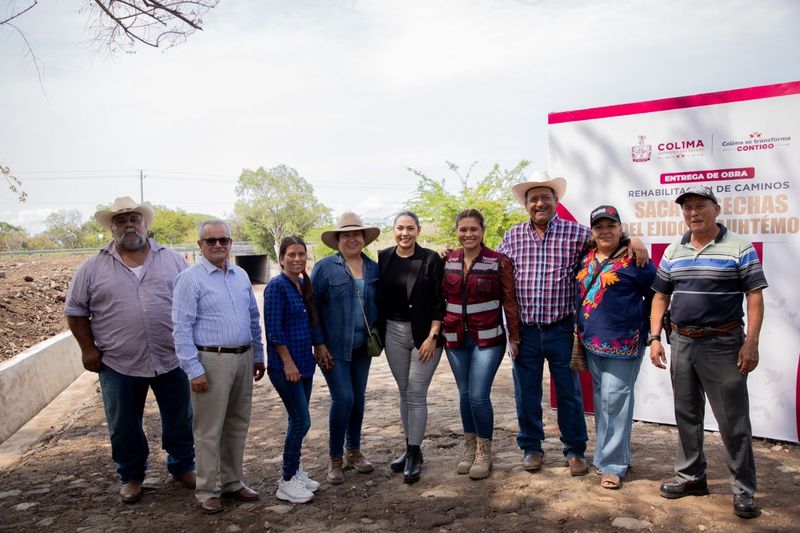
<point x="614" y="313"/>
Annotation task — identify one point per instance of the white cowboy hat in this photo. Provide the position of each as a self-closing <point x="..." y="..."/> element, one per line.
<point x="125" y="204"/>
<point x="349" y="222"/>
<point x="540" y="178"/>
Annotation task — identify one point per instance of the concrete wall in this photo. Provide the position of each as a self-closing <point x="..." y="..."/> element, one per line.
<point x="30" y="380"/>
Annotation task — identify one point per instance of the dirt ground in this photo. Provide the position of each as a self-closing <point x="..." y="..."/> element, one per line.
<point x="67" y="481"/>
<point x="32" y="295"/>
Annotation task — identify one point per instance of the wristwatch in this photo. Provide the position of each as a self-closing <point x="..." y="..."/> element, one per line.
<point x="651" y="338"/>
<point x="435" y="336"/>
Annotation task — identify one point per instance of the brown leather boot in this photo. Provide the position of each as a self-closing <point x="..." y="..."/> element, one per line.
<point x="335" y="475"/>
<point x="483" y="459"/>
<point x="469" y="454"/>
<point x="355" y="459"/>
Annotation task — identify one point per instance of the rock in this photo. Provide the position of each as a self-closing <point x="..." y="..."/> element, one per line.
<point x="35" y="492"/>
<point x="46" y="522"/>
<point x="28" y="278"/>
<point x="369" y="483"/>
<point x="2" y="274"/>
<point x="777" y="448"/>
<point x="78" y="484"/>
<point x="25" y="506"/>
<point x="10" y="493"/>
<point x="426" y="520"/>
<point x="267" y="524"/>
<point x="786" y="469"/>
<point x="233" y="528"/>
<point x="279" y="509"/>
<point x="626" y="522"/>
<point x="439" y="493"/>
<point x="151" y="482"/>
<point x="366" y="520"/>
<point x="701" y="527"/>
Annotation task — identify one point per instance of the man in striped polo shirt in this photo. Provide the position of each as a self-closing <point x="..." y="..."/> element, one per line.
<point x="701" y="280"/>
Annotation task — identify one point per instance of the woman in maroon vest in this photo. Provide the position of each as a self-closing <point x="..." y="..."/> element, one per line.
<point x="478" y="286"/>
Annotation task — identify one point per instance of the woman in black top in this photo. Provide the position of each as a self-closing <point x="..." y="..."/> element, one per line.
<point x="411" y="309"/>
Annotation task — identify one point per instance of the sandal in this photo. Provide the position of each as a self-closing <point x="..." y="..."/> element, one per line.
<point x="610" y="481"/>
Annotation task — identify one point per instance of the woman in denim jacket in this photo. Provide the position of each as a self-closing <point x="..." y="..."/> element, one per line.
<point x="344" y="285"/>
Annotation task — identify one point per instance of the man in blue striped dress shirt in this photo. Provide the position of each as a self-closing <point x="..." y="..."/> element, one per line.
<point x="217" y="333"/>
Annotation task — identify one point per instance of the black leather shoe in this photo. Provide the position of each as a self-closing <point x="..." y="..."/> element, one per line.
<point x="744" y="506"/>
<point x="678" y="489"/>
<point x="399" y="464"/>
<point x="413" y="466"/>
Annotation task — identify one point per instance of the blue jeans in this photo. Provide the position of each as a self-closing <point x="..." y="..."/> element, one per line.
<point x="347" y="383"/>
<point x="474" y="369"/>
<point x="295" y="397"/>
<point x="123" y="400"/>
<point x="613" y="380"/>
<point x="555" y="345"/>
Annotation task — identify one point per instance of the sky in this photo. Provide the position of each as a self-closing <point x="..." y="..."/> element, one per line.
<point x="349" y="93"/>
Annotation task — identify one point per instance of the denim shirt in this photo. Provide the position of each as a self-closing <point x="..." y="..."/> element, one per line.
<point x="334" y="293"/>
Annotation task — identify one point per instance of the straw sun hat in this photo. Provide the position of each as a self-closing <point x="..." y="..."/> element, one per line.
<point x="349" y="222"/>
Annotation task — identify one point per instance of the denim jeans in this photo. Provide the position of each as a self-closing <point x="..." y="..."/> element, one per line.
<point x="295" y="397"/>
<point x="413" y="377"/>
<point x="474" y="369"/>
<point x="347" y="383"/>
<point x="123" y="400"/>
<point x="555" y="345"/>
<point x="612" y="382"/>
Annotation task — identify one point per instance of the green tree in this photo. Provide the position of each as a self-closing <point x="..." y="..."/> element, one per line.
<point x="12" y="237"/>
<point x="64" y="228"/>
<point x="173" y="226"/>
<point x="276" y="203"/>
<point x="93" y="235"/>
<point x="491" y="196"/>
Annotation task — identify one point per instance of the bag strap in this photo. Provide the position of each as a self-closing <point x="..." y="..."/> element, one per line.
<point x="361" y="305"/>
<point x="358" y="294"/>
<point x="602" y="266"/>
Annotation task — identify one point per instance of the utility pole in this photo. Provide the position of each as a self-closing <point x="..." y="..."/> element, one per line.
<point x="141" y="186"/>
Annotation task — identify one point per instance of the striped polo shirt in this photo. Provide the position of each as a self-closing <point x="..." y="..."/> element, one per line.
<point x="707" y="285"/>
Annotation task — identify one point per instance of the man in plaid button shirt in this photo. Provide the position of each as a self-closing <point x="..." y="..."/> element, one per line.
<point x="545" y="252"/>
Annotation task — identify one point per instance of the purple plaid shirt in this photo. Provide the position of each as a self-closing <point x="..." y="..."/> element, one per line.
<point x="544" y="268"/>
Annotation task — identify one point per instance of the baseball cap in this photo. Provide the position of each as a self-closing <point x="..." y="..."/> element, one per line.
<point x="604" y="211"/>
<point x="697" y="190"/>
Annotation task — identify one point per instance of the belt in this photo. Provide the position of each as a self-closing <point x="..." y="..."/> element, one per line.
<point x="716" y="331"/>
<point x="223" y="349"/>
<point x="551" y="324"/>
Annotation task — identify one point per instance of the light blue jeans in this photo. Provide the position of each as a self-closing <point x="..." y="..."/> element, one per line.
<point x="612" y="381"/>
<point x="474" y="369"/>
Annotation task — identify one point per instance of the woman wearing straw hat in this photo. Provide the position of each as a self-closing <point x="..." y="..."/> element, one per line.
<point x="345" y="295"/>
<point x="411" y="310"/>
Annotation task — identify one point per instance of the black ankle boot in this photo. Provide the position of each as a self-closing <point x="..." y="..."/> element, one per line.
<point x="413" y="465"/>
<point x="399" y="464"/>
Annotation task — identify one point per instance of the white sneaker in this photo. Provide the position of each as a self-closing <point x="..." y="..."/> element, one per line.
<point x="293" y="491"/>
<point x="310" y="484"/>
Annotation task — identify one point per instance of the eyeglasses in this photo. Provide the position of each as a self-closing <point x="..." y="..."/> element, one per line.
<point x="211" y="241"/>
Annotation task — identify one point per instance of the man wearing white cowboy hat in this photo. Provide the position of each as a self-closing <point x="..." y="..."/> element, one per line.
<point x="119" y="310"/>
<point x="545" y="252"/>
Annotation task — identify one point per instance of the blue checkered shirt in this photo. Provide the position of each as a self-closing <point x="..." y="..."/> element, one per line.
<point x="286" y="322"/>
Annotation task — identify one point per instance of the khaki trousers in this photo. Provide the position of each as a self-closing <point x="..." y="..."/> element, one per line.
<point x="221" y="421"/>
